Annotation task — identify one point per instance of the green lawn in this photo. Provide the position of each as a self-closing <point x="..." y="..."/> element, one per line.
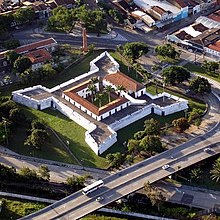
<point x="201" y="71"/>
<point x="14" y="209"/>
<point x="124" y="68"/>
<point x="104" y="100"/>
<point x="68" y="130"/>
<point x="193" y="103"/>
<point x="168" y="59"/>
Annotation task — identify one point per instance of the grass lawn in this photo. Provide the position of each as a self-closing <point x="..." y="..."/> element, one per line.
<point x="168" y="59"/>
<point x="124" y="68"/>
<point x="128" y="132"/>
<point x="14" y="209"/>
<point x="193" y="103"/>
<point x="201" y="71"/>
<point x="104" y="100"/>
<point x="67" y="130"/>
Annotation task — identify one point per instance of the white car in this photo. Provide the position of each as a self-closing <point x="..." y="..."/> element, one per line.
<point x="207" y="149"/>
<point x="166" y="166"/>
<point x="100" y="198"/>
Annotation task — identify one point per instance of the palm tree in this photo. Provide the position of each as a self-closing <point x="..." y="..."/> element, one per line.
<point x="92" y="89"/>
<point x="109" y="89"/>
<point x="216" y="171"/>
<point x="98" y="97"/>
<point x="120" y="88"/>
<point x="196" y="173"/>
<point x="94" y="79"/>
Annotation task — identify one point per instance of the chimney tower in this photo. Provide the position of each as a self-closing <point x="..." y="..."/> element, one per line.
<point x="85" y="45"/>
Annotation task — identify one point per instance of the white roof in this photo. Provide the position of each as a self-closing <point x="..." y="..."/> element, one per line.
<point x="147" y="4"/>
<point x="138" y="13"/>
<point x="148" y="19"/>
<point x="209" y="23"/>
<point x="191" y="31"/>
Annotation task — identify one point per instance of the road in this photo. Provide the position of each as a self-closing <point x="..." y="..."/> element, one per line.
<point x="133" y="178"/>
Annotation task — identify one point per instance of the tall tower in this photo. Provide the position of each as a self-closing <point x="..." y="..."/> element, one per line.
<point x="85" y="45"/>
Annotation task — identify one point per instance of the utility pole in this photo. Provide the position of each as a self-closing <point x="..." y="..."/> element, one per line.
<point x="6" y="133"/>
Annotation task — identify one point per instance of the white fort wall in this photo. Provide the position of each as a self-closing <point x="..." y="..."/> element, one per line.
<point x="18" y="96"/>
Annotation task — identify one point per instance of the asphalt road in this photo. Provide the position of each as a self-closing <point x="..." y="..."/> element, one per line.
<point x="133" y="178"/>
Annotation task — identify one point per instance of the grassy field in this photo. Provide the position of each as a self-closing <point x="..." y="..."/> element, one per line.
<point x="201" y="71"/>
<point x="68" y="131"/>
<point x="14" y="209"/>
<point x="124" y="68"/>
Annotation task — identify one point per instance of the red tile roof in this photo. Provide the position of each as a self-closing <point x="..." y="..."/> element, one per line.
<point x="119" y="78"/>
<point x="215" y="46"/>
<point x="38" y="56"/>
<point x="91" y="107"/>
<point x="35" y="45"/>
<point x="159" y="10"/>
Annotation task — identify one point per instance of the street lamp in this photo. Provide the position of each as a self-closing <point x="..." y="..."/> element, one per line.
<point x="5" y="126"/>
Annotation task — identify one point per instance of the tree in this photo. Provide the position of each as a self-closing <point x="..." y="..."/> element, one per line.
<point x="5" y="22"/>
<point x="194" y="114"/>
<point x="129" y="159"/>
<point x="47" y="71"/>
<point x="114" y="159"/>
<point x="16" y="115"/>
<point x="92" y="89"/>
<point x="133" y="146"/>
<point x="151" y="143"/>
<point x="37" y="138"/>
<point x="200" y="85"/>
<point x="175" y="74"/>
<point x="120" y="88"/>
<point x="151" y="127"/>
<point x="98" y="98"/>
<point x="29" y="174"/>
<point x="116" y="15"/>
<point x="181" y="124"/>
<point x="155" y="195"/>
<point x="62" y="18"/>
<point x="6" y="107"/>
<point x="108" y="90"/>
<point x="11" y="44"/>
<point x="196" y="173"/>
<point x="215" y="172"/>
<point x="210" y="66"/>
<point x="167" y="50"/>
<point x="99" y="22"/>
<point x="44" y="172"/>
<point x="134" y="50"/>
<point x="24" y="15"/>
<point x="139" y="135"/>
<point x="36" y="124"/>
<point x="22" y="63"/>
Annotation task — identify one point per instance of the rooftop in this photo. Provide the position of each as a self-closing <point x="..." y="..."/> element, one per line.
<point x="165" y="5"/>
<point x="119" y="78"/>
<point x="215" y="46"/>
<point x="36" y="45"/>
<point x="215" y="16"/>
<point x="38" y="56"/>
<point x="90" y="106"/>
